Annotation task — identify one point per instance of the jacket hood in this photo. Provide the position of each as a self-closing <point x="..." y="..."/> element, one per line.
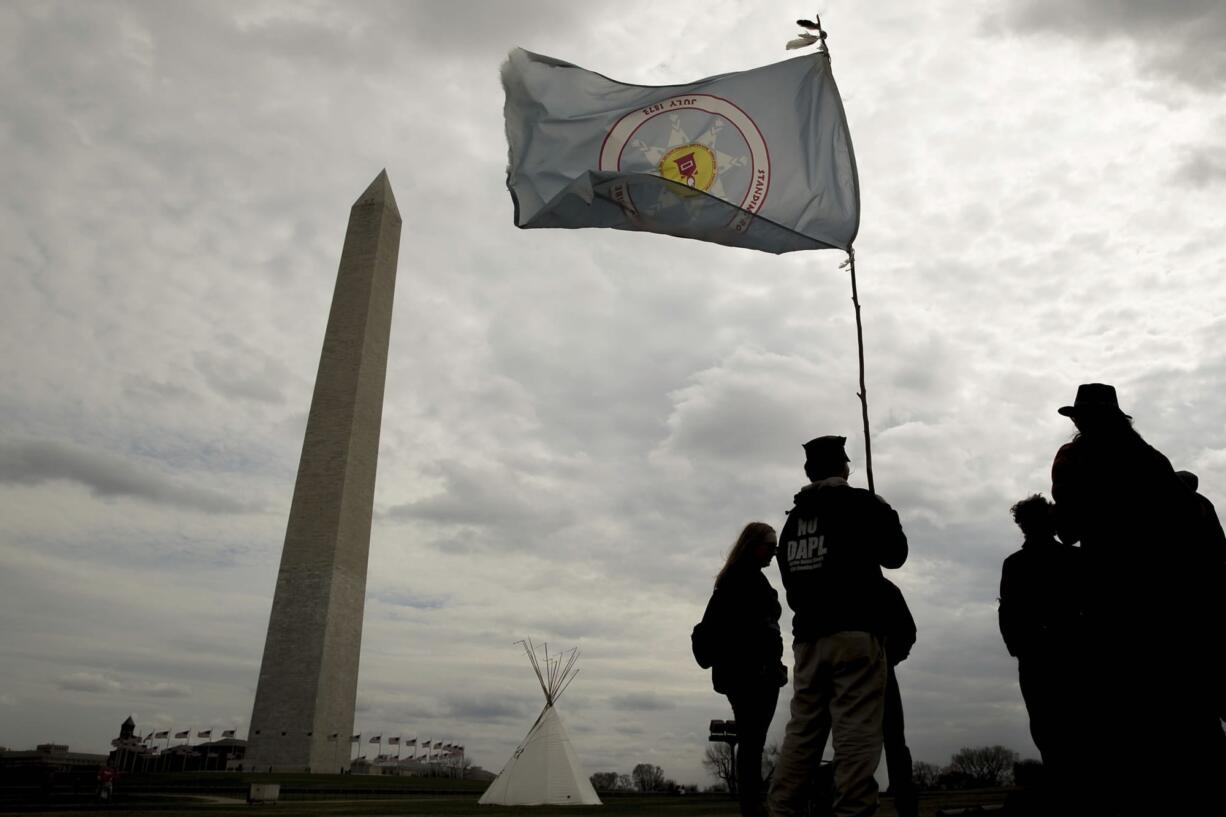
<point x="810" y="491"/>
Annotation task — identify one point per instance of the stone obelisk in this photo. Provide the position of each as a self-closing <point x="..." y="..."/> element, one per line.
<point x="304" y="702"/>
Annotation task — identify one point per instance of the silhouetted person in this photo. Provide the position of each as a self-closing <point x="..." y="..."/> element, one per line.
<point x="831" y="551"/>
<point x="899" y="639"/>
<point x="1041" y="589"/>
<point x="1215" y="538"/>
<point x="742" y="623"/>
<point x="1150" y="614"/>
<point x="1217" y="547"/>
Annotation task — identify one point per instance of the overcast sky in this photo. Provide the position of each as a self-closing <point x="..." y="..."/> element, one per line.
<point x="577" y="423"/>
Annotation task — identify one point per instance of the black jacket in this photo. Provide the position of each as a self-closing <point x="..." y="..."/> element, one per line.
<point x="1152" y="553"/>
<point x="900" y="630"/>
<point x="1041" y="600"/>
<point x="831" y="551"/>
<point x="743" y="619"/>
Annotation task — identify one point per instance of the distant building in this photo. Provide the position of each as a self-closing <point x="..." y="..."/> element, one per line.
<point x="413" y="767"/>
<point x="133" y="754"/>
<point x="49" y="756"/>
<point x="213" y="756"/>
<point x="129" y="751"/>
<point x="48" y="770"/>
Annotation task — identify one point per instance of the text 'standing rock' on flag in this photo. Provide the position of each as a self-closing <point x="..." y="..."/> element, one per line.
<point x="760" y="159"/>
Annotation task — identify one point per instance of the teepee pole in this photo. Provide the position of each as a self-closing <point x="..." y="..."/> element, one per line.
<point x="567" y="684"/>
<point x="528" y="648"/>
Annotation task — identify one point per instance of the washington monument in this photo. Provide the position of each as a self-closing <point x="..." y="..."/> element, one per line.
<point x="303" y="713"/>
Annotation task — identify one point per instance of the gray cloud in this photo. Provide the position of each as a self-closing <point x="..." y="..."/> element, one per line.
<point x="222" y="376"/>
<point x="1180" y="40"/>
<point x="400" y="598"/>
<point x="88" y="682"/>
<point x="641" y="702"/>
<point x="492" y="498"/>
<point x="160" y="689"/>
<point x="102" y="683"/>
<point x="1202" y="167"/>
<point x="495" y="709"/>
<point x="106" y="476"/>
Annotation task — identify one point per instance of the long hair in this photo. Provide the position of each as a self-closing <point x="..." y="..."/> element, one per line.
<point x="754" y="534"/>
<point x="1110" y="427"/>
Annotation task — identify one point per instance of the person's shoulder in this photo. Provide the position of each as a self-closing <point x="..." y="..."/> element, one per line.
<point x="866" y="497"/>
<point x="806" y="500"/>
<point x="1015" y="558"/>
<point x="761" y="583"/>
<point x="1161" y="461"/>
<point x="737" y="577"/>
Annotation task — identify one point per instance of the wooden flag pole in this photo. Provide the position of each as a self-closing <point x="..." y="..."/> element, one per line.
<point x="850" y="263"/>
<point x="819" y="39"/>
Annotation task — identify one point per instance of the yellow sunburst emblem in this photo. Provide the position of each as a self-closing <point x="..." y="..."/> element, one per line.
<point x="692" y="165"/>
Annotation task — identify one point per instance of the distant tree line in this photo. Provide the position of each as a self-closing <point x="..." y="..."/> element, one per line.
<point x="718" y="761"/>
<point x="644" y="778"/>
<point x="980" y="767"/>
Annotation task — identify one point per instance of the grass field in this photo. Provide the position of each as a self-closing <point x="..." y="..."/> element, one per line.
<point x="223" y="795"/>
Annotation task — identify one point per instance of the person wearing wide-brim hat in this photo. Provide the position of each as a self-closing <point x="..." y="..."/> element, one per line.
<point x="1149" y="627"/>
<point x="1094" y="400"/>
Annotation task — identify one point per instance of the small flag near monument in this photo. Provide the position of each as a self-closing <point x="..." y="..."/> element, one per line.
<point x="376" y="739"/>
<point x="411" y="742"/>
<point x="355" y="738"/>
<point x="760" y="159"/>
<point x="229" y="733"/>
<point x="393" y="741"/>
<point x="150" y="736"/>
<point x="160" y="735"/>
<point x="207" y="733"/>
<point x="186" y="733"/>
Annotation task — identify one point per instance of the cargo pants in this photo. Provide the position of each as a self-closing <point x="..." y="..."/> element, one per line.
<point x="838" y="686"/>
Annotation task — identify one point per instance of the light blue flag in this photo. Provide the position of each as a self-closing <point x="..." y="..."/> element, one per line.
<point x="759" y="159"/>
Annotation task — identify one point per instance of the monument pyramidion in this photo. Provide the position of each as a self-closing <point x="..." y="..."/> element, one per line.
<point x="307" y="690"/>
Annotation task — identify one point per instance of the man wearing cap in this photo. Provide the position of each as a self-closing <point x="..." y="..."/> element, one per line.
<point x="1148" y="603"/>
<point x="831" y="551"/>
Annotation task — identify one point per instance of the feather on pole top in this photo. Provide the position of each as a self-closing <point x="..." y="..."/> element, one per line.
<point x="805" y="38"/>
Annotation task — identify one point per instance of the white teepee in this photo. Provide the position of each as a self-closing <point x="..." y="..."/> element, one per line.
<point x="545" y="769"/>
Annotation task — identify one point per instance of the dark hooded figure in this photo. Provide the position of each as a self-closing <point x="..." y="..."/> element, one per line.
<point x="1214" y="536"/>
<point x="831" y="551"/>
<point x="899" y="639"/>
<point x="1150" y="613"/>
<point x="1041" y="588"/>
<point x="1217" y="554"/>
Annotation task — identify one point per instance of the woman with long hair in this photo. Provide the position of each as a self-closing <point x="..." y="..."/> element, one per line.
<point x="743" y="620"/>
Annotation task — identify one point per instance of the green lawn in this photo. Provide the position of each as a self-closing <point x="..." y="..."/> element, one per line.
<point x="222" y="795"/>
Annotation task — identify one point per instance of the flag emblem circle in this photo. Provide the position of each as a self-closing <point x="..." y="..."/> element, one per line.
<point x="692" y="165"/>
<point x="703" y="141"/>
